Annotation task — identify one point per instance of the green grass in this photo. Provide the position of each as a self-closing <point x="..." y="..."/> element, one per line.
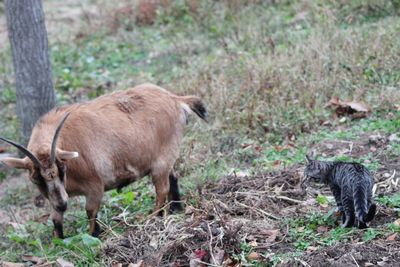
<point x="33" y="238"/>
<point x="390" y="201"/>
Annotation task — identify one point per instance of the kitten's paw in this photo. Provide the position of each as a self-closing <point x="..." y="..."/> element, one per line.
<point x="362" y="225"/>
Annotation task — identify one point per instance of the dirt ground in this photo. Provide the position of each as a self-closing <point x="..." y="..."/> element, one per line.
<point x="252" y="210"/>
<point x="222" y="216"/>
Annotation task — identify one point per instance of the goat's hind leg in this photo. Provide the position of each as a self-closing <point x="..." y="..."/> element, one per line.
<point x="161" y="183"/>
<point x="174" y="196"/>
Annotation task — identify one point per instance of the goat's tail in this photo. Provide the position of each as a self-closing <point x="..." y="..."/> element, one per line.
<point x="195" y="104"/>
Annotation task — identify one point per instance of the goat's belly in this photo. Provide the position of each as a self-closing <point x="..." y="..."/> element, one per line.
<point x="122" y="178"/>
<point x="120" y="183"/>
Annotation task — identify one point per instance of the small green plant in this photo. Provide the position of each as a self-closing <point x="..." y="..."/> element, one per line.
<point x="392" y="201"/>
<point x="370" y="234"/>
<point x="315" y="230"/>
<point x="322" y="200"/>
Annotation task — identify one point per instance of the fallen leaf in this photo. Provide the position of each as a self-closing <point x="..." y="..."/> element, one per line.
<point x="60" y="262"/>
<point x="12" y="264"/>
<point x="272" y="234"/>
<point x="356" y="109"/>
<point x="311" y="249"/>
<point x="200" y="253"/>
<point x="218" y="258"/>
<point x="253" y="256"/>
<point x="357" y="106"/>
<point x="367" y="264"/>
<point x="228" y="262"/>
<point x="253" y="244"/>
<point x="33" y="259"/>
<point x="244" y="145"/>
<point x="392" y="237"/>
<point x="189" y="210"/>
<point x="381" y="263"/>
<point x="116" y="264"/>
<point x="397" y="222"/>
<point x="138" y="264"/>
<point x="322" y="229"/>
<point x="277" y="163"/>
<point x="258" y="148"/>
<point x="300" y="229"/>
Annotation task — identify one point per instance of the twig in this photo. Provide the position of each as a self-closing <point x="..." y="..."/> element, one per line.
<point x="289" y="199"/>
<point x="261" y="211"/>
<point x="205" y="263"/>
<point x="303" y="263"/>
<point x="210" y="243"/>
<point x="354" y="260"/>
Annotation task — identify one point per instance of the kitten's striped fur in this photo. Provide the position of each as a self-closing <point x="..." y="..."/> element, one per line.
<point x="351" y="185"/>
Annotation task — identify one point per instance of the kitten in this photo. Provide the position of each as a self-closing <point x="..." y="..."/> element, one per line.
<point x="351" y="185"/>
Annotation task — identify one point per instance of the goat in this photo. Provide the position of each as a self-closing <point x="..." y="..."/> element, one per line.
<point x="116" y="139"/>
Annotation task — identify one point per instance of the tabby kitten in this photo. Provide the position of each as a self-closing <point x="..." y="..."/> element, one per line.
<point x="351" y="185"/>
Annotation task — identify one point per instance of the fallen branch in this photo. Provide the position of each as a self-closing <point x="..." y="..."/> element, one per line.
<point x="260" y="211"/>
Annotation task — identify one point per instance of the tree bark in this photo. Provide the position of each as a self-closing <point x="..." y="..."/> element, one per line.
<point x="32" y="66"/>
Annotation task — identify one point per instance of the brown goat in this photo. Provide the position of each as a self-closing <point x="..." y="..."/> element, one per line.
<point x="116" y="140"/>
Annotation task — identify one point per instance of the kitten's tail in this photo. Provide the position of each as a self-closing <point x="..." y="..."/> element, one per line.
<point x="363" y="213"/>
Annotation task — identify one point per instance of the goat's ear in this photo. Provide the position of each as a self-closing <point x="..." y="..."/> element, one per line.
<point x="15" y="163"/>
<point x="66" y="155"/>
<point x="309" y="159"/>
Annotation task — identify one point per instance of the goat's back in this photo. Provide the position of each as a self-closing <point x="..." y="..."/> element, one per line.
<point x="126" y="133"/>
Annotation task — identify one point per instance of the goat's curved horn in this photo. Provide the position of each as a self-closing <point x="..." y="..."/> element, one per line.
<point x="32" y="157"/>
<point x="54" y="143"/>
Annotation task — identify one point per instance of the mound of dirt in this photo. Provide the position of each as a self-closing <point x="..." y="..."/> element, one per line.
<point x="251" y="210"/>
<point x="231" y="212"/>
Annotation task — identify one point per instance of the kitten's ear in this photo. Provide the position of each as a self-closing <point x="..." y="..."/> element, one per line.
<point x="308" y="158"/>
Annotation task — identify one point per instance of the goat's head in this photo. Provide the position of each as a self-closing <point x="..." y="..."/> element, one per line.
<point x="47" y="169"/>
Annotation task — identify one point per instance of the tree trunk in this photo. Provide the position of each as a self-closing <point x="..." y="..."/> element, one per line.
<point x="32" y="66"/>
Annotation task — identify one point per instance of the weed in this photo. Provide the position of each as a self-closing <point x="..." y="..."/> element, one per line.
<point x="392" y="201"/>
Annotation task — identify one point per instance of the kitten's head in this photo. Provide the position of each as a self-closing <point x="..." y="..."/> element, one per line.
<point x="317" y="170"/>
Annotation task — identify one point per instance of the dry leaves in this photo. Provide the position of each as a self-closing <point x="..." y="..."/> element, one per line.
<point x="392" y="237"/>
<point x="60" y="262"/>
<point x="138" y="264"/>
<point x="355" y="109"/>
<point x="254" y="256"/>
<point x="12" y="264"/>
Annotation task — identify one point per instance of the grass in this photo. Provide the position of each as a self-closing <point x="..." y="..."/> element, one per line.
<point x="265" y="72"/>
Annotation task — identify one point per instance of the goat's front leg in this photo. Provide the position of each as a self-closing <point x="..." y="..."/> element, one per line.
<point x="92" y="208"/>
<point x="57" y="218"/>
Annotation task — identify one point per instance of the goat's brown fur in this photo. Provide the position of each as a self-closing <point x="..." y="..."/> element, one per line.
<point x="120" y="138"/>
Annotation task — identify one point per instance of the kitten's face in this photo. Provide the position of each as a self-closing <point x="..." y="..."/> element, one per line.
<point x="316" y="170"/>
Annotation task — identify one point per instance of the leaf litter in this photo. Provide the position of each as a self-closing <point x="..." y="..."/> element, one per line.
<point x="251" y="209"/>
